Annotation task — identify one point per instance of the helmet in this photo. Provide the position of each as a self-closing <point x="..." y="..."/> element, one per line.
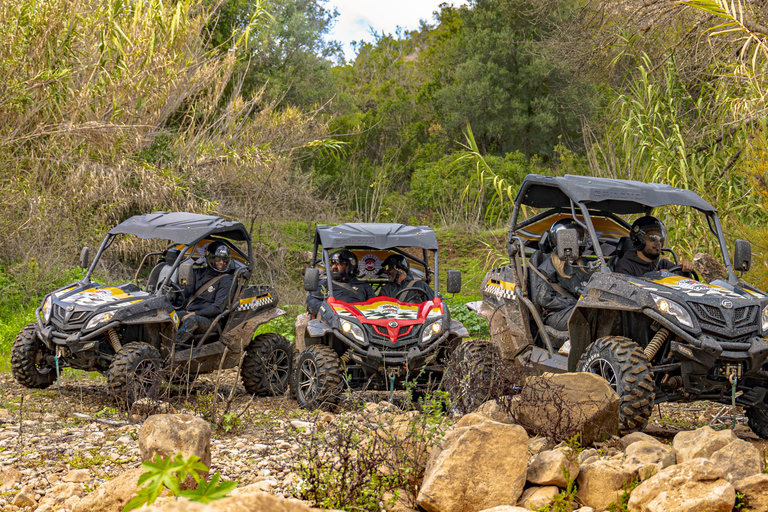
<point x="567" y="224"/>
<point x="216" y="252"/>
<point x="642" y="226"/>
<point x="394" y="261"/>
<point x="347" y="257"/>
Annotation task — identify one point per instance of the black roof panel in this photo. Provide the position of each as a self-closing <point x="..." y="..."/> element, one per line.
<point x="606" y="194"/>
<point x="180" y="227"/>
<point x="376" y="236"/>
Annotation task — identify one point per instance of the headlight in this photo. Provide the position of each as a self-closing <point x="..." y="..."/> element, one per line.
<point x="431" y="331"/>
<point x="764" y="319"/>
<point x="99" y="319"/>
<point x="47" y="308"/>
<point x="674" y="309"/>
<point x="354" y="330"/>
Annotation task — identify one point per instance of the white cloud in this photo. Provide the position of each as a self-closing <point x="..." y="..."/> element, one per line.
<point x="357" y="17"/>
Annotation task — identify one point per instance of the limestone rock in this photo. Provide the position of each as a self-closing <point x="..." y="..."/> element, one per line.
<point x="507" y="508"/>
<point x="547" y="468"/>
<point x="473" y="418"/>
<point x="738" y="460"/>
<point x="702" y="442"/>
<point x="25" y="497"/>
<point x="493" y="410"/>
<point x="539" y="444"/>
<point x="112" y="496"/>
<point x="480" y="467"/>
<point x="604" y="481"/>
<point x="8" y="478"/>
<point x="78" y="476"/>
<point x="695" y="485"/>
<point x="537" y="497"/>
<point x="635" y="437"/>
<point x="168" y="434"/>
<point x="576" y="402"/>
<point x="57" y="496"/>
<point x="646" y="452"/>
<point x="241" y="503"/>
<point x="755" y="488"/>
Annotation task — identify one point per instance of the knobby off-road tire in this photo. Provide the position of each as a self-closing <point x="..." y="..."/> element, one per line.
<point x="468" y="376"/>
<point x="758" y="421"/>
<point x="135" y="372"/>
<point x="318" y="377"/>
<point x="267" y="365"/>
<point x="29" y="367"/>
<point x="622" y="363"/>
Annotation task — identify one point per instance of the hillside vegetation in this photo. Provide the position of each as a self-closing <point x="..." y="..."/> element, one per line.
<point x="245" y="110"/>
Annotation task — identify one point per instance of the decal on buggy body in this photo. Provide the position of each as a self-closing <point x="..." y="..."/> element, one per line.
<point x="255" y="302"/>
<point x="175" y="318"/>
<point x="101" y="296"/>
<point x="382" y="309"/>
<point x="501" y="289"/>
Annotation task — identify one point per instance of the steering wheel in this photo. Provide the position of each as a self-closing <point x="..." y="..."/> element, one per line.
<point x="414" y="289"/>
<point x="175" y="294"/>
<point x="678" y="268"/>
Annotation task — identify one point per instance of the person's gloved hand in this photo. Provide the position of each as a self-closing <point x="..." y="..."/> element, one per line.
<point x="687" y="266"/>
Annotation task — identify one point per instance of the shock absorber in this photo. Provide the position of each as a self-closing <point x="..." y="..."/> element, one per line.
<point x="114" y="340"/>
<point x="656" y="342"/>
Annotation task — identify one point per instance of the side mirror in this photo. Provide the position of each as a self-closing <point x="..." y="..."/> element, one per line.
<point x="84" y="257"/>
<point x="567" y="244"/>
<point x="186" y="276"/>
<point x="311" y="279"/>
<point x="742" y="255"/>
<point x="453" y="281"/>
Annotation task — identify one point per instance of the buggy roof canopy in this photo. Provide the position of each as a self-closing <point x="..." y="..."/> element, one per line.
<point x="605" y="194"/>
<point x="376" y="236"/>
<point x="180" y="227"/>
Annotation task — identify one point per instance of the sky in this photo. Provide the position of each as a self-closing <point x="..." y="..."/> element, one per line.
<point x="356" y="17"/>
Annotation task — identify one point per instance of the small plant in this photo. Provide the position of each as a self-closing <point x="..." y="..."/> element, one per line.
<point x="565" y="500"/>
<point x="168" y="474"/>
<point x="82" y="461"/>
<point x="622" y="504"/>
<point x="230" y="421"/>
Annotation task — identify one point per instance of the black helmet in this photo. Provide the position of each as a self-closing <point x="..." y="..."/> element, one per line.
<point x="347" y="257"/>
<point x="642" y="226"/>
<point x="215" y="252"/>
<point x="394" y="261"/>
<point x="567" y="224"/>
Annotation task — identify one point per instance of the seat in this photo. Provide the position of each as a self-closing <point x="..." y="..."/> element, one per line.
<point x="154" y="276"/>
<point x="625" y="245"/>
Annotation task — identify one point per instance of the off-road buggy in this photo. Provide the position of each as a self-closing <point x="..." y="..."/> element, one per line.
<point x="382" y="343"/>
<point x="128" y="332"/>
<point x="657" y="338"/>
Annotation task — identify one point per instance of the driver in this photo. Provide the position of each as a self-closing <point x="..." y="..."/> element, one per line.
<point x="402" y="286"/>
<point x="648" y="235"/>
<point x="208" y="295"/>
<point x="566" y="275"/>
<point x="346" y="286"/>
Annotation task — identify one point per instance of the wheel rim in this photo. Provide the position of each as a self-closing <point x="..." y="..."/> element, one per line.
<point x="604" y="369"/>
<point x="308" y="384"/>
<point x="278" y="368"/>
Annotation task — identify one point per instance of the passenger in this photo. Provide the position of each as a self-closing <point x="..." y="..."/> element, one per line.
<point x="346" y="286"/>
<point x="648" y="235"/>
<point x="556" y="306"/>
<point x="397" y="269"/>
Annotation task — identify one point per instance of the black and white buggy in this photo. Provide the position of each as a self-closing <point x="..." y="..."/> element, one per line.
<point x="128" y="332"/>
<point x="657" y="338"/>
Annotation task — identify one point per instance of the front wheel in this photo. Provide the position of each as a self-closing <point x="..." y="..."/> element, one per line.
<point x="30" y="369"/>
<point x="622" y="363"/>
<point x="267" y="365"/>
<point x="758" y="421"/>
<point x="135" y="372"/>
<point x="469" y="374"/>
<point x="318" y="377"/>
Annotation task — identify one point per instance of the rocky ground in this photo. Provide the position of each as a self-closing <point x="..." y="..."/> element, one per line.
<point x="78" y="433"/>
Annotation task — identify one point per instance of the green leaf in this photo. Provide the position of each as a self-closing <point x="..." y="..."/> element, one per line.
<point x="210" y="491"/>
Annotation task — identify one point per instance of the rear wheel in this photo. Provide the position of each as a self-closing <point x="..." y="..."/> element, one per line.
<point x="318" y="377"/>
<point x="135" y="372"/>
<point x="28" y="364"/>
<point x="267" y="365"/>
<point x="758" y="421"/>
<point x="622" y="363"/>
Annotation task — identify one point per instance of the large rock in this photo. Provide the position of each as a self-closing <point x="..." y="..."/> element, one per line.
<point x="700" y="443"/>
<point x="168" y="434"/>
<point x="112" y="496"/>
<point x="562" y="405"/>
<point x="696" y="485"/>
<point x="738" y="460"/>
<point x="57" y="496"/>
<point x="548" y="467"/>
<point x="755" y="489"/>
<point x="481" y="466"/>
<point x="634" y="437"/>
<point x="538" y="497"/>
<point x="645" y="452"/>
<point x="493" y="410"/>
<point x="603" y="482"/>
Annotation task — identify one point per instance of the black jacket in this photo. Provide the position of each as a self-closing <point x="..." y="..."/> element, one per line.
<point x="546" y="297"/>
<point x="353" y="290"/>
<point x="631" y="265"/>
<point x="392" y="289"/>
<point x="213" y="300"/>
